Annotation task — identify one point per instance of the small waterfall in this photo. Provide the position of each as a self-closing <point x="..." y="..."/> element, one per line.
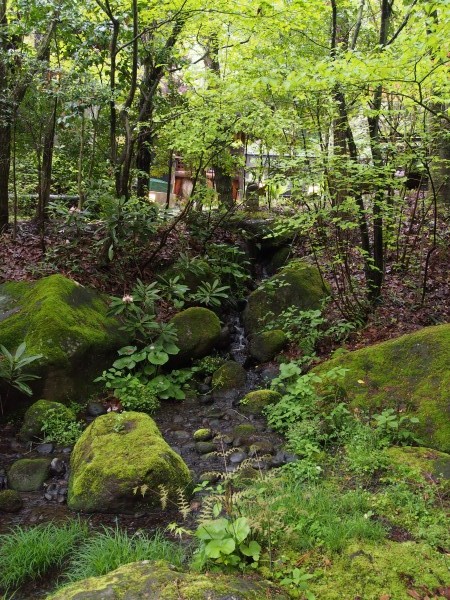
<point x="238" y="345"/>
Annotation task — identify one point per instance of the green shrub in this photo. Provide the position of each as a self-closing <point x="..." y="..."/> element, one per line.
<point x="59" y="428"/>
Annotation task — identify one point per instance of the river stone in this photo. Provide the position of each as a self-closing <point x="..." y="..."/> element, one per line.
<point x="297" y="284"/>
<point x="28" y="474"/>
<point x="65" y="322"/>
<point x="266" y="345"/>
<point x="205" y="447"/>
<point x="410" y="373"/>
<point x="158" y="580"/>
<point x="255" y="402"/>
<point x="198" y="331"/>
<point x="203" y="435"/>
<point x="95" y="409"/>
<point x="116" y="454"/>
<point x="230" y="375"/>
<point x="37" y="413"/>
<point x="10" y="501"/>
<point x="44" y="448"/>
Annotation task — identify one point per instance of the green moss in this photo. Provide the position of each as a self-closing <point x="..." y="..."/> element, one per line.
<point x="298" y="284"/>
<point x="410" y="373"/>
<point x="254" y="402"/>
<point x="148" y="579"/>
<point x="229" y="376"/>
<point x="202" y="435"/>
<point x="56" y="317"/>
<point x="266" y="345"/>
<point x="116" y="454"/>
<point x="371" y="571"/>
<point x="10" y="501"/>
<point x="198" y="331"/>
<point x="244" y="430"/>
<point x="421" y="461"/>
<point x="36" y="414"/>
<point x="28" y="474"/>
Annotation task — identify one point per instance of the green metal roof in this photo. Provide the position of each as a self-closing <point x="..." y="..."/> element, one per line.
<point x="158" y="185"/>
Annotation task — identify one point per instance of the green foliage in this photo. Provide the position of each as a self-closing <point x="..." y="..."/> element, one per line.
<point x="211" y="294"/>
<point x="12" y="366"/>
<point x="306" y="328"/>
<point x="207" y="365"/>
<point x="59" y="428"/>
<point x="393" y="428"/>
<point x="106" y="550"/>
<point x="227" y="542"/>
<point x="30" y="553"/>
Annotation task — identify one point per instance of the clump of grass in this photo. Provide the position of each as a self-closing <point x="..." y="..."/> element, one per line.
<point x="30" y="553"/>
<point x="109" y="549"/>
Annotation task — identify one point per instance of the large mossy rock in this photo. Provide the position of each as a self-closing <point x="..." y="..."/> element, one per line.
<point x="410" y="373"/>
<point x="66" y="323"/>
<point x="266" y="345"/>
<point x="198" y="331"/>
<point x="10" y="501"/>
<point x="37" y="413"/>
<point x="115" y="457"/>
<point x="157" y="580"/>
<point x="28" y="474"/>
<point x="298" y="284"/>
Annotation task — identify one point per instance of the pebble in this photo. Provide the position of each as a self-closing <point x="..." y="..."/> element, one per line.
<point x="204" y="447"/>
<point x="44" y="448"/>
<point x="203" y="388"/>
<point x="58" y="466"/>
<point x="237" y="457"/>
<point x="206" y="399"/>
<point x="181" y="435"/>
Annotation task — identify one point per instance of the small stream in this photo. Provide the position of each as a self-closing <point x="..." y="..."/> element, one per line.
<point x="177" y="422"/>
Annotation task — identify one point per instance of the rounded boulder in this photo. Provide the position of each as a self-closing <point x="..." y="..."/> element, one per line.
<point x="119" y="464"/>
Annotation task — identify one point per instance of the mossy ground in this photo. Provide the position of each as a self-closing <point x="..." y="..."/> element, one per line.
<point x="370" y="571"/>
<point x="410" y="373"/>
<point x="115" y="455"/>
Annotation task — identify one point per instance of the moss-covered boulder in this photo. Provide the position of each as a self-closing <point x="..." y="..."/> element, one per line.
<point x="254" y="402"/>
<point x="231" y="375"/>
<point x="66" y="323"/>
<point x="410" y="373"/>
<point x="266" y="345"/>
<point x="119" y="462"/>
<point x="37" y="413"/>
<point x="297" y="284"/>
<point x="422" y="461"/>
<point x="157" y="580"/>
<point x="10" y="501"/>
<point x="398" y="571"/>
<point x="198" y="331"/>
<point x="28" y="474"/>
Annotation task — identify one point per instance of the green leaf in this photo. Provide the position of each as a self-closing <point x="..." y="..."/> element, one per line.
<point x="212" y="530"/>
<point x="215" y="548"/>
<point x="158" y="358"/>
<point x="239" y="529"/>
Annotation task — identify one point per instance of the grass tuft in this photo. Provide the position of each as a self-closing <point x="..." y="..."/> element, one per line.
<point x="30" y="553"/>
<point x="109" y="549"/>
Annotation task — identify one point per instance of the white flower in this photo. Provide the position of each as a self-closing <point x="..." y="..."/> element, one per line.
<point x="127" y="299"/>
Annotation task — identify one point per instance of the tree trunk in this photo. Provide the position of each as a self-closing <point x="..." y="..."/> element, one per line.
<point x="5" y="159"/>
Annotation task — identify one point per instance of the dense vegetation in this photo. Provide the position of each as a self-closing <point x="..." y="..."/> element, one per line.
<point x="332" y="119"/>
